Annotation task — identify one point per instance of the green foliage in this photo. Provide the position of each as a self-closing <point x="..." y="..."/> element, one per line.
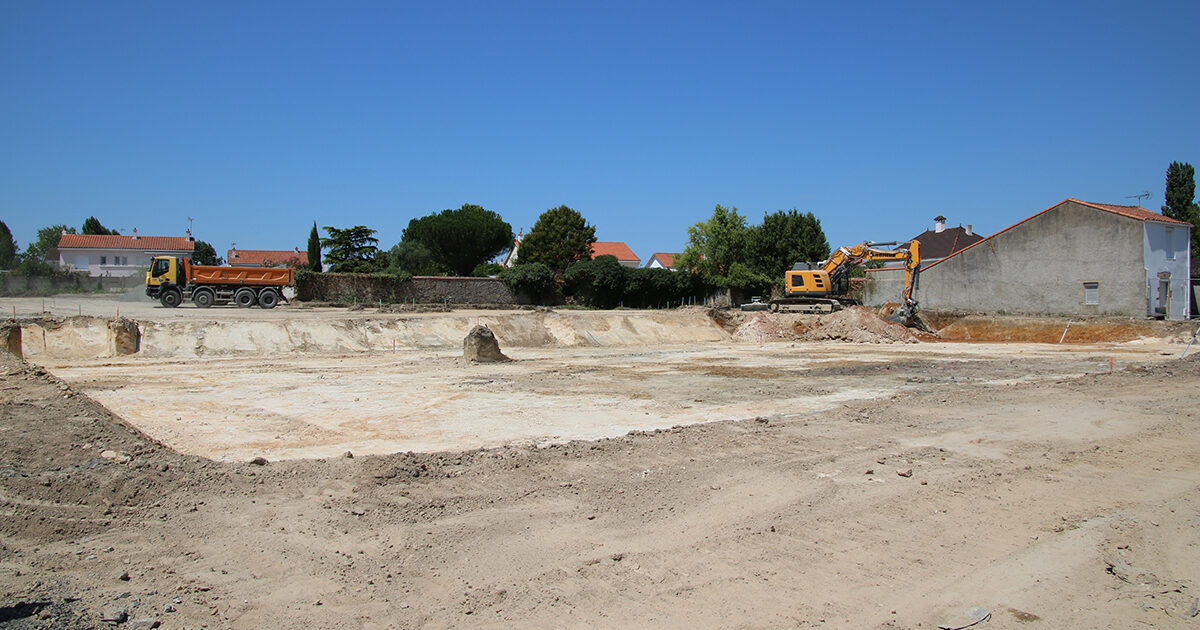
<point x="600" y="282"/>
<point x="785" y="238"/>
<point x="8" y="247"/>
<point x="47" y="239"/>
<point x="415" y="259"/>
<point x="204" y="254"/>
<point x="353" y="250"/>
<point x="314" y="249"/>
<point x="1180" y="193"/>
<point x="716" y="244"/>
<point x="460" y="240"/>
<point x="535" y="280"/>
<point x="92" y="225"/>
<point x="486" y="270"/>
<point x="560" y="238"/>
<point x="744" y="278"/>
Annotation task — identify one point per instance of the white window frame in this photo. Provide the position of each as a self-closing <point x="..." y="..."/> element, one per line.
<point x="1170" y="243"/>
<point x="1095" y="291"/>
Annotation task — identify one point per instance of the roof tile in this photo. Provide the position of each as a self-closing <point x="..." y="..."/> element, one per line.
<point x="142" y="243"/>
<point x="618" y="249"/>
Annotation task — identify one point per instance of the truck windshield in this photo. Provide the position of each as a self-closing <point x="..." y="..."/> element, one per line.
<point x="160" y="267"/>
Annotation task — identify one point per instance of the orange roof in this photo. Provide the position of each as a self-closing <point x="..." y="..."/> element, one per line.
<point x="108" y="241"/>
<point x="620" y="250"/>
<point x="262" y="256"/>
<point x="1132" y="212"/>
<point x="664" y="259"/>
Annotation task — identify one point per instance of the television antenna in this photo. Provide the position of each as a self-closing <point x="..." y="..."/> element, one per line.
<point x="1145" y="194"/>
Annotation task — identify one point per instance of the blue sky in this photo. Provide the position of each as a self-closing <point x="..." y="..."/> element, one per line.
<point x="258" y="118"/>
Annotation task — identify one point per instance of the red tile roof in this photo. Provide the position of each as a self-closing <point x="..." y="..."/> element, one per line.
<point x="664" y="259"/>
<point x="141" y="243"/>
<point x="1132" y="212"/>
<point x="260" y="256"/>
<point x="620" y="250"/>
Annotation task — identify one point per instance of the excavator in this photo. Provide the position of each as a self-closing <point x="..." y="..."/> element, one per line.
<point x="821" y="287"/>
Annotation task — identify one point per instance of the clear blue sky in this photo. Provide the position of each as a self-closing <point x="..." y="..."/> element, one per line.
<point x="258" y="118"/>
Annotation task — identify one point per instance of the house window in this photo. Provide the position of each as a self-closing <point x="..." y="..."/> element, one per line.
<point x="1091" y="292"/>
<point x="103" y="260"/>
<point x="1170" y="243"/>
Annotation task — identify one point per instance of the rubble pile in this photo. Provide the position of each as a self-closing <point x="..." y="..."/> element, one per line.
<point x="858" y="324"/>
<point x="480" y="345"/>
<point x="760" y="327"/>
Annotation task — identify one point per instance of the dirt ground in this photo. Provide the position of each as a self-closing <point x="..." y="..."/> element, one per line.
<point x="764" y="484"/>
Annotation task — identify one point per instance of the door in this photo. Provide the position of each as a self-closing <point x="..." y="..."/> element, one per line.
<point x="1164" y="298"/>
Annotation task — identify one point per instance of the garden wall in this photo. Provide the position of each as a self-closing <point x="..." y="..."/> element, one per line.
<point x="359" y="287"/>
<point x="19" y="284"/>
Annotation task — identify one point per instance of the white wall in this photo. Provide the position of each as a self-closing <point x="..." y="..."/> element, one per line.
<point x="1167" y="257"/>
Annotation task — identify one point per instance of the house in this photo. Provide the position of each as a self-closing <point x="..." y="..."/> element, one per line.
<point x="661" y="260"/>
<point x="1075" y="258"/>
<point x="115" y="255"/>
<point x="510" y="258"/>
<point x="941" y="241"/>
<point x="267" y="258"/>
<point x="624" y="255"/>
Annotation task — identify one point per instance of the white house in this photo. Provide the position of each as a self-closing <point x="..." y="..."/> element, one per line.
<point x="112" y="255"/>
<point x="662" y="260"/>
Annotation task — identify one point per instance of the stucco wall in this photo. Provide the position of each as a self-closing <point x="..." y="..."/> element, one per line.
<point x="1037" y="267"/>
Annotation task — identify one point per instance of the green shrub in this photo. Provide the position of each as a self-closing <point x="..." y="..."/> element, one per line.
<point x="533" y="279"/>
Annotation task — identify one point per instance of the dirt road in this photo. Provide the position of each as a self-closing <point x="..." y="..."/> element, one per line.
<point x="1023" y="481"/>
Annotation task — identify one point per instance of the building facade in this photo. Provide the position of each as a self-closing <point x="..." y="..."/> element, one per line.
<point x="1075" y="258"/>
<point x="113" y="255"/>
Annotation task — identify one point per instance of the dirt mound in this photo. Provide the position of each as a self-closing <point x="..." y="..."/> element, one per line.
<point x="858" y="324"/>
<point x="481" y="345"/>
<point x="760" y="327"/>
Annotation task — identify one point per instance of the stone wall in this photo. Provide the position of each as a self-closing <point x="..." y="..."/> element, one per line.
<point x="357" y="287"/>
<point x="12" y="284"/>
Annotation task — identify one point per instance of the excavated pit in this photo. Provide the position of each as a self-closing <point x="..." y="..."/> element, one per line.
<point x="300" y="385"/>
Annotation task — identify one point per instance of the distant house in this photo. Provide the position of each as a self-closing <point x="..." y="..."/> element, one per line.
<point x="941" y="241"/>
<point x="267" y="258"/>
<point x="113" y="255"/>
<point x="624" y="255"/>
<point x="1074" y="258"/>
<point x="661" y="260"/>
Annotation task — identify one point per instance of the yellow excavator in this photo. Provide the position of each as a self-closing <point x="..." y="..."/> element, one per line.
<point x="822" y="287"/>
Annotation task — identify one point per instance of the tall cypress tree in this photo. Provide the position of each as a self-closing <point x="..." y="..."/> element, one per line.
<point x="8" y="248"/>
<point x="314" y="249"/>
<point x="1180" y="193"/>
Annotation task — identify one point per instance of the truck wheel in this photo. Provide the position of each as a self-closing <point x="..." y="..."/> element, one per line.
<point x="268" y="299"/>
<point x="244" y="298"/>
<point x="203" y="298"/>
<point x="171" y="298"/>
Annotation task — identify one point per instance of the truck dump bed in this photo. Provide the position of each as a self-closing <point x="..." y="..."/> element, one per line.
<point x="253" y="276"/>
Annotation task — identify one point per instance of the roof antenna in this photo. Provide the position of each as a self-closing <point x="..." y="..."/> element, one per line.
<point x="190" y="219"/>
<point x="1145" y="195"/>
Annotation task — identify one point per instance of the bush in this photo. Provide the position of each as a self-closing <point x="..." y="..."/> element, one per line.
<point x="599" y="282"/>
<point x="535" y="280"/>
<point x="487" y="270"/>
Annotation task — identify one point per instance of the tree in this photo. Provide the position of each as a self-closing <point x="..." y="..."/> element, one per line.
<point x="8" y="248"/>
<point x="92" y="225"/>
<point x="414" y="258"/>
<point x="714" y="245"/>
<point x="314" y="249"/>
<point x="461" y="239"/>
<point x="535" y="280"/>
<point x="47" y="239"/>
<point x="785" y="238"/>
<point x="600" y="282"/>
<point x="560" y="238"/>
<point x="204" y="254"/>
<point x="1181" y="190"/>
<point x="352" y="250"/>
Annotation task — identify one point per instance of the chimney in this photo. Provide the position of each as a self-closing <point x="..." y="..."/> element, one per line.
<point x="969" y="232"/>
<point x="64" y="233"/>
<point x="939" y="224"/>
<point x="135" y="236"/>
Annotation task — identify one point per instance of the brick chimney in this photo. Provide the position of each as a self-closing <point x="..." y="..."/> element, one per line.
<point x="939" y="224"/>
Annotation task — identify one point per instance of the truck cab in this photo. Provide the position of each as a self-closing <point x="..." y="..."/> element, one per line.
<point x="164" y="274"/>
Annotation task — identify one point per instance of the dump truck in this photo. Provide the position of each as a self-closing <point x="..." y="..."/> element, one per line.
<point x="172" y="280"/>
<point x="822" y="287"/>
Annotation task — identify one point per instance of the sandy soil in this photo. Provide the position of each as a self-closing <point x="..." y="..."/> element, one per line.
<point x="932" y="484"/>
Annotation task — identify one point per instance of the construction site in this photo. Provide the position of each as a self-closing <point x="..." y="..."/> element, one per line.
<point x="330" y="467"/>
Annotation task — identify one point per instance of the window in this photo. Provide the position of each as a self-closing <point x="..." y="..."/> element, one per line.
<point x="1170" y="243"/>
<point x="1091" y="292"/>
<point x="103" y="260"/>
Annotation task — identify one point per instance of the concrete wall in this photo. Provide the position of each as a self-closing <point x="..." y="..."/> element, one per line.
<point x="17" y="284"/>
<point x="1168" y="266"/>
<point x="1036" y="267"/>
<point x="134" y="262"/>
